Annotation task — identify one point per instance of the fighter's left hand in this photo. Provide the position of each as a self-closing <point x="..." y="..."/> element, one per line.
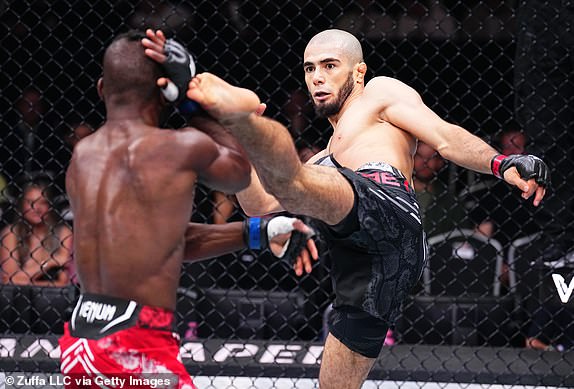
<point x="177" y="62"/>
<point x="528" y="172"/>
<point x="154" y="45"/>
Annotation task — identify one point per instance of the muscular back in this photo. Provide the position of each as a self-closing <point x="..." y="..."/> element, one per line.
<point x="131" y="187"/>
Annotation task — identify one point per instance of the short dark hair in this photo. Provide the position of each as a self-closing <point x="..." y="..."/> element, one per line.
<point x="128" y="72"/>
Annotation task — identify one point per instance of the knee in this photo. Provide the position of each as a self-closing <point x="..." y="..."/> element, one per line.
<point x="359" y="331"/>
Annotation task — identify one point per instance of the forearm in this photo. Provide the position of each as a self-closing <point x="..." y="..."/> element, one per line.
<point x="203" y="241"/>
<point x="467" y="150"/>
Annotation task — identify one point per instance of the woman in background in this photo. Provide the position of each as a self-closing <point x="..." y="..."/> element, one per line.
<point x="36" y="248"/>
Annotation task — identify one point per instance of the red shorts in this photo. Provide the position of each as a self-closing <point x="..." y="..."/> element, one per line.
<point x="141" y="356"/>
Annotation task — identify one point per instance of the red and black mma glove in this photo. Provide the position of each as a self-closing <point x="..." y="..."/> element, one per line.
<point x="258" y="232"/>
<point x="528" y="166"/>
<point x="179" y="68"/>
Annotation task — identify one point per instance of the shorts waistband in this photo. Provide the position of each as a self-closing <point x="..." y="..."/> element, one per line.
<point x="384" y="174"/>
<point x="381" y="166"/>
<point x="97" y="316"/>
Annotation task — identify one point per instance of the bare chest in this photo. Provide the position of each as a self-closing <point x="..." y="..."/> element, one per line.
<point x="357" y="142"/>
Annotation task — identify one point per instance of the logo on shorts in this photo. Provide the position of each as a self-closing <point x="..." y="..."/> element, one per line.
<point x="564" y="291"/>
<point x="91" y="311"/>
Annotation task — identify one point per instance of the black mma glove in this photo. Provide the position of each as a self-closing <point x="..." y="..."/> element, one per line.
<point x="258" y="232"/>
<point x="179" y="67"/>
<point x="528" y="166"/>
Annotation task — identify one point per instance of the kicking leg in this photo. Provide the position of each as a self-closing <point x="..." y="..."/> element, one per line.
<point x="316" y="191"/>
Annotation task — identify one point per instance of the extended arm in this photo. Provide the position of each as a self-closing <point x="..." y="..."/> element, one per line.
<point x="205" y="241"/>
<point x="403" y="107"/>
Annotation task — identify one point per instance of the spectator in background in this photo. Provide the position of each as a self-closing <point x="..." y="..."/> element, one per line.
<point x="440" y="210"/>
<point x="494" y="204"/>
<point x="367" y="19"/>
<point x="29" y="142"/>
<point x="35" y="249"/>
<point x="76" y="133"/>
<point x="21" y="139"/>
<point x="513" y="141"/>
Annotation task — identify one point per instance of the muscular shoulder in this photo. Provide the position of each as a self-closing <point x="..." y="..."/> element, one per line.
<point x="390" y="89"/>
<point x="182" y="146"/>
<point x="168" y="138"/>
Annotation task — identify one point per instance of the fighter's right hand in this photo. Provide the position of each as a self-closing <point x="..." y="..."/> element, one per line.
<point x="177" y="62"/>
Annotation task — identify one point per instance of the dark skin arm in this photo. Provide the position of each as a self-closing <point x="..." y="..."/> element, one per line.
<point x="222" y="137"/>
<point x="205" y="241"/>
<point x="228" y="172"/>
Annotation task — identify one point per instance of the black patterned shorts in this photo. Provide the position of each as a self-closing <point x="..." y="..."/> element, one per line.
<point x="378" y="251"/>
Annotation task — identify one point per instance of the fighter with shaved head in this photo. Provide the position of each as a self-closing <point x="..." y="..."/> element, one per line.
<point x="359" y="189"/>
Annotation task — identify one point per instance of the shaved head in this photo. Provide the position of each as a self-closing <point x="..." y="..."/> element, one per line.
<point x="128" y="74"/>
<point x="346" y="43"/>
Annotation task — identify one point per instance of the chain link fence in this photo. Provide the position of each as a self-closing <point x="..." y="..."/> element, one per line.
<point x="495" y="302"/>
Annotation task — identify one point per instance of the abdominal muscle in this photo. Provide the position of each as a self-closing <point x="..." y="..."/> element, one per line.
<point x="381" y="142"/>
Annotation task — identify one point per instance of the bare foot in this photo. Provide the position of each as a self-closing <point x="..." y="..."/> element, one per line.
<point x="223" y="101"/>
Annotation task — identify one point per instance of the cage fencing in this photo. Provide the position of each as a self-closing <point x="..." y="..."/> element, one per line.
<point x="494" y="304"/>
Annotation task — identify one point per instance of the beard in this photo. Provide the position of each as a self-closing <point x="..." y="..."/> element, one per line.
<point x="330" y="109"/>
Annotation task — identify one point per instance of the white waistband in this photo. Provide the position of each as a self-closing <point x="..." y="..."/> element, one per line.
<point x="383" y="166"/>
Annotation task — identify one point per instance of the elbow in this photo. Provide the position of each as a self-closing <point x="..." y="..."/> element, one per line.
<point x="245" y="169"/>
<point x="238" y="177"/>
<point x="243" y="176"/>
